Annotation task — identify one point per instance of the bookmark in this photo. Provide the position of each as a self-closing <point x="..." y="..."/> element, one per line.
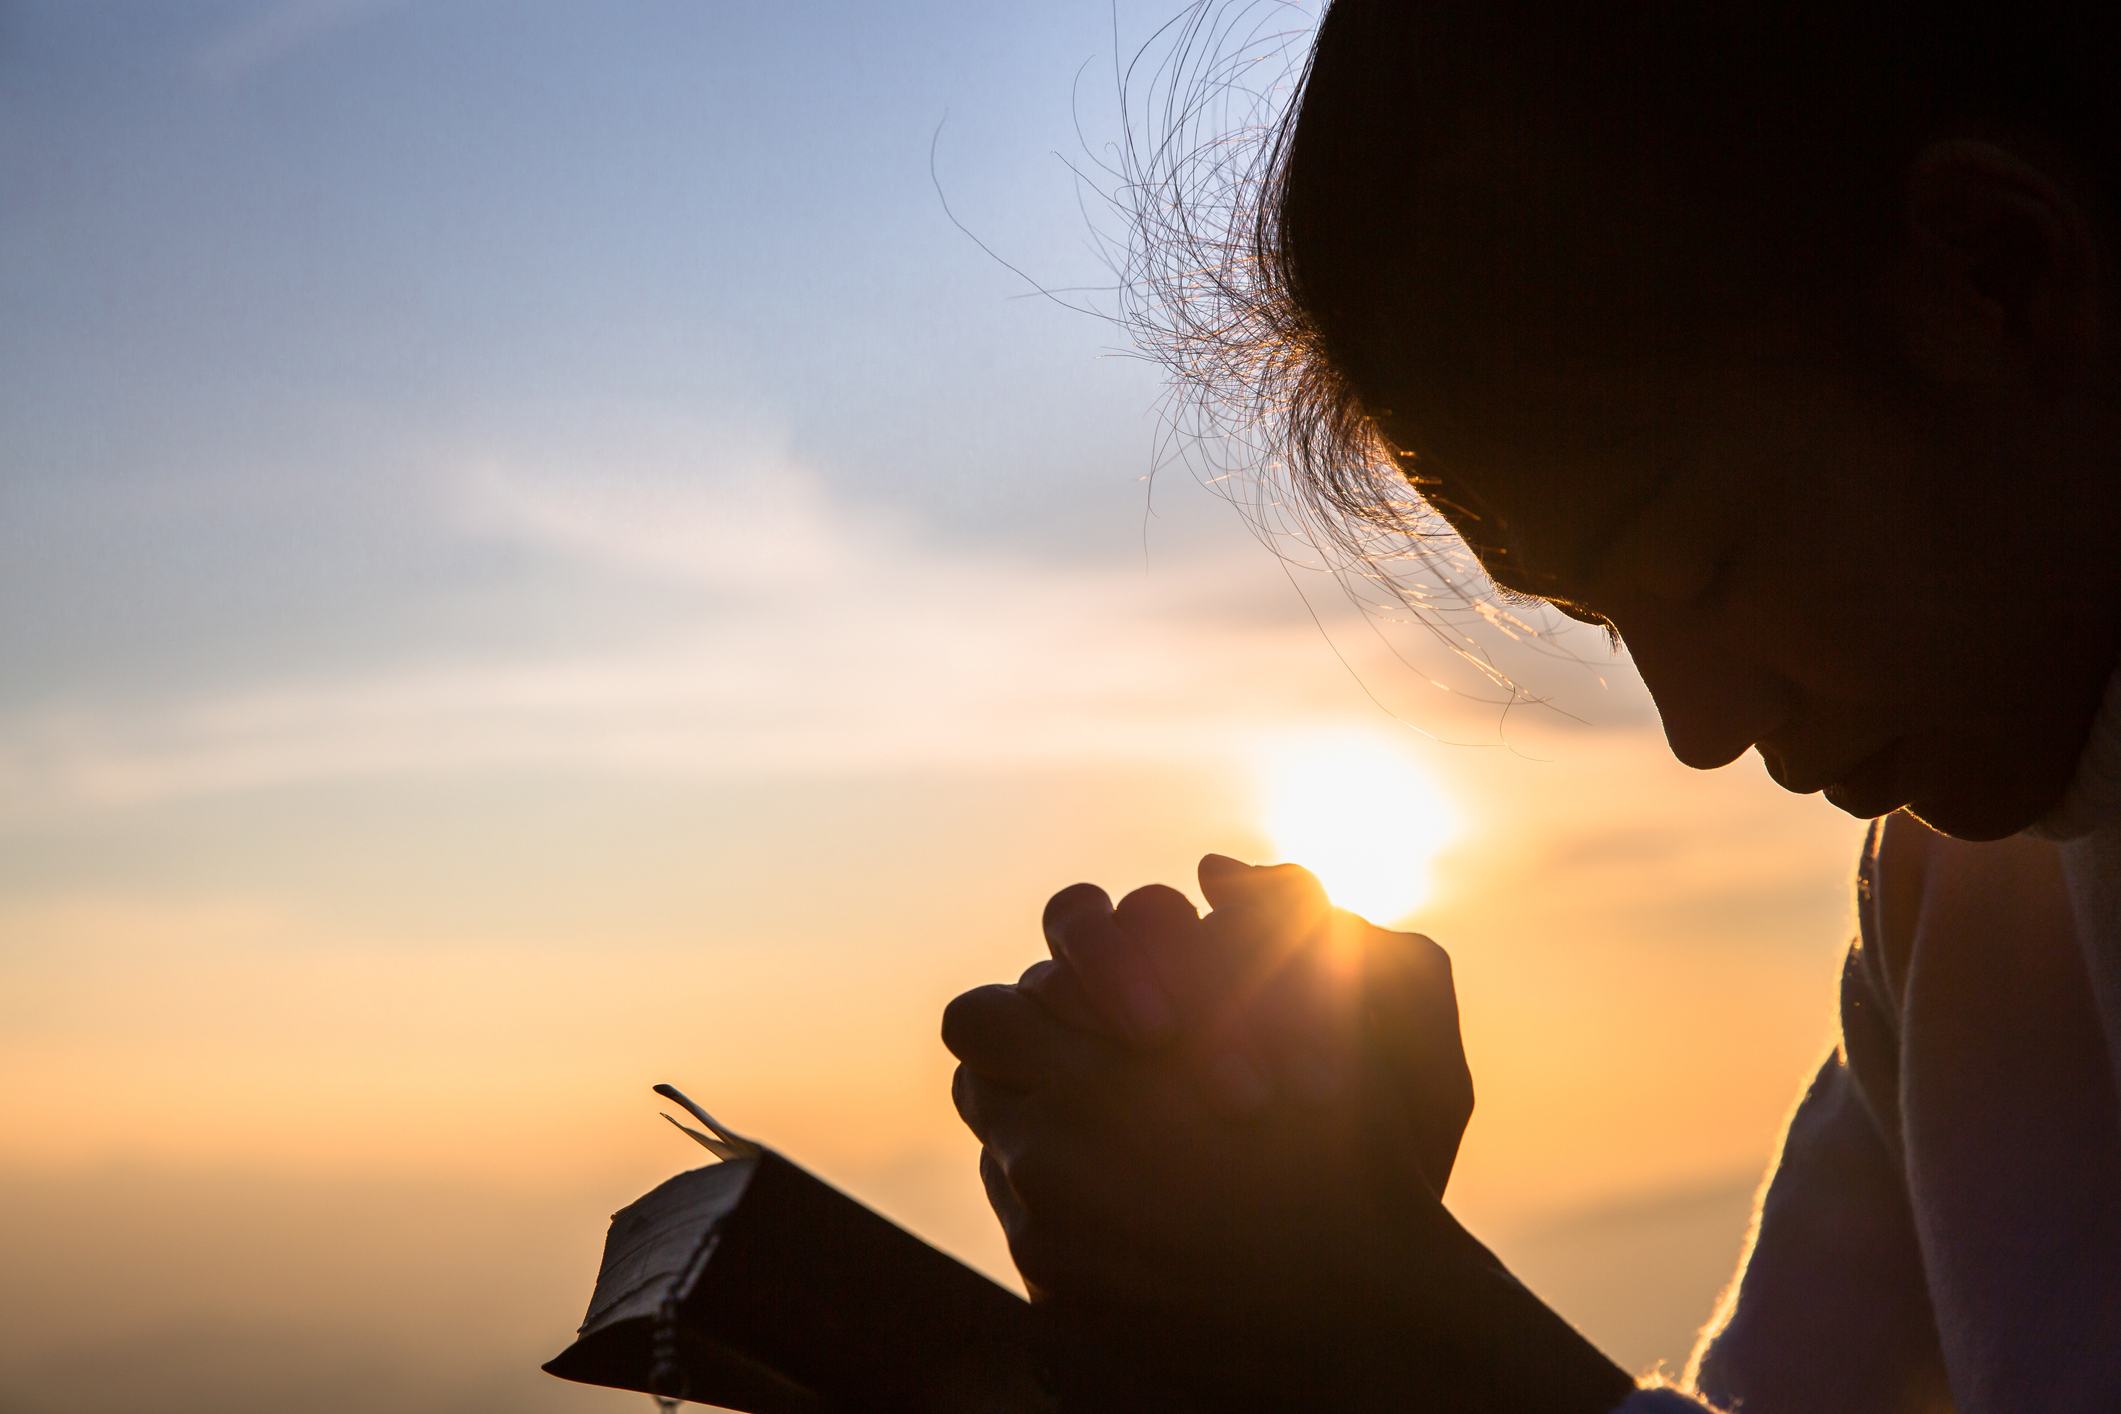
<point x="724" y="1145"/>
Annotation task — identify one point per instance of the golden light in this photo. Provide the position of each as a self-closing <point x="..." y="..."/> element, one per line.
<point x="1358" y="811"/>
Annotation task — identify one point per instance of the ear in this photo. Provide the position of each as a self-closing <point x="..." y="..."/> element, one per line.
<point x="2003" y="279"/>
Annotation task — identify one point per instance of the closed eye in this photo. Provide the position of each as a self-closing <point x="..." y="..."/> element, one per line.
<point x="1520" y="600"/>
<point x="1595" y="620"/>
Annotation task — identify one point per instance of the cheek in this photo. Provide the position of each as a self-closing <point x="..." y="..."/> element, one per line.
<point x="1928" y="626"/>
<point x="1855" y="601"/>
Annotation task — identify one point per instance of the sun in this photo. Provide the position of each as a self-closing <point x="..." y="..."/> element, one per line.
<point x="1358" y="811"/>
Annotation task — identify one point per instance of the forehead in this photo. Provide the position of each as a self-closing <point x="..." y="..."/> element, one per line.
<point x="1551" y="327"/>
<point x="1542" y="272"/>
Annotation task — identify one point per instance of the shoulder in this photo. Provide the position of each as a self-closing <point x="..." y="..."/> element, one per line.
<point x="1960" y="923"/>
<point x="1956" y="921"/>
<point x="1918" y="889"/>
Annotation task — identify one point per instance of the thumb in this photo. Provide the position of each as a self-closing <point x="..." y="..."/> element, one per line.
<point x="1230" y="884"/>
<point x="1412" y="1036"/>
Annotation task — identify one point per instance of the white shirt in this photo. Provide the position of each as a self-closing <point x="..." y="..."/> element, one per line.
<point x="1943" y="1227"/>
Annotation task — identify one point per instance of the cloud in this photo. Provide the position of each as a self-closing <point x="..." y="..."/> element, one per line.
<point x="731" y="620"/>
<point x="703" y="602"/>
<point x="936" y="667"/>
<point x="690" y="504"/>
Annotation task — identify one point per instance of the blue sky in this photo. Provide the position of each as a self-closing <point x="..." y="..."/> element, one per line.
<point x="355" y="349"/>
<point x="264" y="264"/>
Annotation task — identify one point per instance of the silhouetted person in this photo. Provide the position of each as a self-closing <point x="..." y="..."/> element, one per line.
<point x="1782" y="339"/>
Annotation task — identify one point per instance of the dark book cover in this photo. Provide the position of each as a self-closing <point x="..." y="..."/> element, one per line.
<point x="754" y="1285"/>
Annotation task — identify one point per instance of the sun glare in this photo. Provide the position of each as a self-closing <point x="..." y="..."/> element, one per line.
<point x="1358" y="812"/>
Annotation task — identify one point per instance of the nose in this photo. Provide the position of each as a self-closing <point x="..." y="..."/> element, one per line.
<point x="1713" y="703"/>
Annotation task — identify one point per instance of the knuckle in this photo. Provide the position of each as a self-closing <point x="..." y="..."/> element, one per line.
<point x="1292" y="884"/>
<point x="970" y="1016"/>
<point x="1000" y="1196"/>
<point x="1157" y="901"/>
<point x="1038" y="1258"/>
<point x="1074" y="902"/>
<point x="1416" y="959"/>
<point x="1035" y="1177"/>
<point x="962" y="1083"/>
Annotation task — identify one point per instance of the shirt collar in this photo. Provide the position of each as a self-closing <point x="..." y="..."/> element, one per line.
<point x="2094" y="794"/>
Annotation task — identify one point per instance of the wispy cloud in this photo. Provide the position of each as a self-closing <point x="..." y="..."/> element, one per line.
<point x="928" y="672"/>
<point x="727" y="613"/>
<point x="759" y="626"/>
<point x="711" y="506"/>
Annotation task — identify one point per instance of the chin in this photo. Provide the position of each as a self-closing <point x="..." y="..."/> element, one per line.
<point x="1974" y="823"/>
<point x="1970" y="787"/>
<point x="1973" y="811"/>
<point x="1990" y="810"/>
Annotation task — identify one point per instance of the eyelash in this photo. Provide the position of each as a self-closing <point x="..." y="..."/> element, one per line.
<point x="1518" y="600"/>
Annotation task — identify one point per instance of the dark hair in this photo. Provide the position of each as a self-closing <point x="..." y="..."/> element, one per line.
<point x="1771" y="139"/>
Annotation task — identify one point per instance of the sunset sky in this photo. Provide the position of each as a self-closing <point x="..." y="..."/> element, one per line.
<point x="535" y="560"/>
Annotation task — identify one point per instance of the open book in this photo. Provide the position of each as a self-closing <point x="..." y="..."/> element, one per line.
<point x="753" y="1285"/>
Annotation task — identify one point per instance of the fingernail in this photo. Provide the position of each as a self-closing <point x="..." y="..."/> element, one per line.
<point x="1236" y="1089"/>
<point x="1148" y="1010"/>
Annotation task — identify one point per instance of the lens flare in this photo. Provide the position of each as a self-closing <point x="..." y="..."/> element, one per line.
<point x="1359" y="812"/>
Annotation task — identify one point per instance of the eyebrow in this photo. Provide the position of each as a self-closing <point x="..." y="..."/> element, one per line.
<point x="1577" y="565"/>
<point x="1583" y="561"/>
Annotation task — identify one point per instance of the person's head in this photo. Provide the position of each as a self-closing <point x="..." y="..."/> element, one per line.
<point x="1778" y="336"/>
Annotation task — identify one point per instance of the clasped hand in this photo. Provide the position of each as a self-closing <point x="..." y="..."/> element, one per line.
<point x="1207" y="1119"/>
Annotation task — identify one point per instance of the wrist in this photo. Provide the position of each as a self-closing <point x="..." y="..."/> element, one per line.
<point x="1405" y="1318"/>
<point x="1462" y="1313"/>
